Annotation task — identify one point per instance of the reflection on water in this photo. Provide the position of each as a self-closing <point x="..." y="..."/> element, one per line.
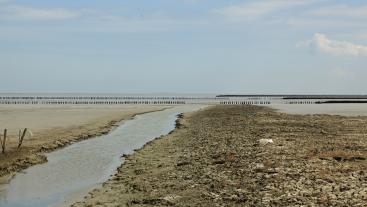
<point x="87" y="163"/>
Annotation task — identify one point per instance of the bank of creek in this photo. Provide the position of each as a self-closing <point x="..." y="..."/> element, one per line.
<point x="216" y="158"/>
<point x="81" y="166"/>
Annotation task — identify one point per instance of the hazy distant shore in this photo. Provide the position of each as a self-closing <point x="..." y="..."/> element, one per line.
<point x="54" y="127"/>
<point x="222" y="156"/>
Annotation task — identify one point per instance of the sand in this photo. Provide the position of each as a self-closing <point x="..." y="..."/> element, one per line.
<point x="215" y="157"/>
<point x="54" y="127"/>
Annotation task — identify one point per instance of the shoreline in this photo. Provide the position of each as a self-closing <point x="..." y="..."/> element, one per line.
<point x="214" y="157"/>
<point x="36" y="154"/>
<point x="79" y="196"/>
<point x="179" y="124"/>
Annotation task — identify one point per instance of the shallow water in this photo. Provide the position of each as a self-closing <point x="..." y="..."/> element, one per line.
<point x="351" y="109"/>
<point x="86" y="164"/>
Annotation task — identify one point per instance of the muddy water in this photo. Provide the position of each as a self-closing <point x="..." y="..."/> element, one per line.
<point x="83" y="165"/>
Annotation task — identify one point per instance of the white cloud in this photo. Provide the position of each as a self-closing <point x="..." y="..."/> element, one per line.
<point x="28" y="13"/>
<point x="257" y="9"/>
<point x="333" y="16"/>
<point x="340" y="11"/>
<point x="334" y="47"/>
<point x="104" y="21"/>
<point x="358" y="36"/>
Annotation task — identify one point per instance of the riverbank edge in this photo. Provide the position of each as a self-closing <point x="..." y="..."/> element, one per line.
<point x="38" y="155"/>
<point x="80" y="196"/>
<point x="179" y="125"/>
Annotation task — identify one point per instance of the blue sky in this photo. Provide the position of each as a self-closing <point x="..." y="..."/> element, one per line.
<point x="184" y="46"/>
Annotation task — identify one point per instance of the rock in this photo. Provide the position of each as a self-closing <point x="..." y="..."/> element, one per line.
<point x="259" y="167"/>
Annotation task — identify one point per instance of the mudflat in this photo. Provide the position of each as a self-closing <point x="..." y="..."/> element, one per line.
<point x="245" y="156"/>
<point x="54" y="127"/>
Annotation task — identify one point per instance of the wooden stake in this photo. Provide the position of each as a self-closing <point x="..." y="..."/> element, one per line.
<point x="3" y="143"/>
<point x="21" y="138"/>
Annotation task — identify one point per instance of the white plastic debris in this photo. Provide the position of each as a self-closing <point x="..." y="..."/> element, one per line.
<point x="266" y="141"/>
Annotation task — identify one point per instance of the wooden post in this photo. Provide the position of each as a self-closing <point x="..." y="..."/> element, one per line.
<point x="21" y="138"/>
<point x="3" y="143"/>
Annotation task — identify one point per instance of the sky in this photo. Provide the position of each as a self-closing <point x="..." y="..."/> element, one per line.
<point x="184" y="46"/>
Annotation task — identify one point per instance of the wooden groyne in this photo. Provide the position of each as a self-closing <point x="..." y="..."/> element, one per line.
<point x="244" y="102"/>
<point x="295" y="96"/>
<point x="105" y="100"/>
<point x="172" y="100"/>
<point x="92" y="102"/>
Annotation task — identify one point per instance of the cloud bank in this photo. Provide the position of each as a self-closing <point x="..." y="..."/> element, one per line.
<point x="334" y="47"/>
<point x="341" y="11"/>
<point x="20" y="13"/>
<point x="257" y="9"/>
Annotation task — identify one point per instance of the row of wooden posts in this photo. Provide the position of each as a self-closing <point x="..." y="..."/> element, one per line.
<point x="91" y="102"/>
<point x="21" y="136"/>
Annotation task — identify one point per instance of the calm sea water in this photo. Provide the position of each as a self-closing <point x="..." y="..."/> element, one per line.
<point x="333" y="109"/>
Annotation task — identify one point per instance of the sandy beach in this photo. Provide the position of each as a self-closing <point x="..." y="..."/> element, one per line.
<point x="223" y="156"/>
<point x="54" y="127"/>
